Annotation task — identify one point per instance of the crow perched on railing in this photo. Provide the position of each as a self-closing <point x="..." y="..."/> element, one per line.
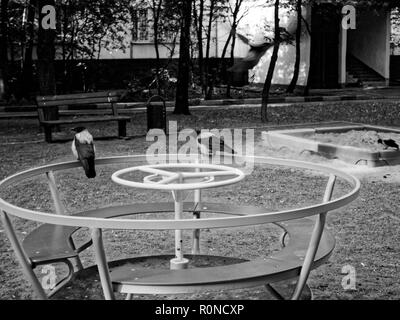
<point x="84" y="150"/>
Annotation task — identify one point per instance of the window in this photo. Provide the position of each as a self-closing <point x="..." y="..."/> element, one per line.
<point x="140" y="29"/>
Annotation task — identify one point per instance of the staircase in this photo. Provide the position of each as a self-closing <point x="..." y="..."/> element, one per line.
<point x="358" y="72"/>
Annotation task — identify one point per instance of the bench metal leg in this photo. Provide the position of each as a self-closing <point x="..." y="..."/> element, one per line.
<point x="47" y="134"/>
<point x="122" y="128"/>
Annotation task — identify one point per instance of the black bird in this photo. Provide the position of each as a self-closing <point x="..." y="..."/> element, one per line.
<point x="209" y="144"/>
<point x="84" y="150"/>
<point x="256" y="51"/>
<point x="258" y="47"/>
<point x="389" y="143"/>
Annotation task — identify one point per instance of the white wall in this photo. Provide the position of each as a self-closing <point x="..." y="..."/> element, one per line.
<point x="146" y="50"/>
<point x="287" y="52"/>
<point x="370" y="41"/>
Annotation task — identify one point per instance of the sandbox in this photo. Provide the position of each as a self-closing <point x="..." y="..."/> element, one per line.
<point x="360" y="147"/>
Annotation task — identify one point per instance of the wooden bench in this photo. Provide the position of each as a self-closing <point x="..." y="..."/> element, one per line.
<point x="51" y="243"/>
<point x="47" y="105"/>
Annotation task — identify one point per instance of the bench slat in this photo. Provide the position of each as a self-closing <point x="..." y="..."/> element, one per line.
<point x="78" y="96"/>
<point x="52" y="103"/>
<point x="76" y="101"/>
<point x="84" y="120"/>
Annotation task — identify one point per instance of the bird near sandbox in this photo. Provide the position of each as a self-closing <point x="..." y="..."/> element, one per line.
<point x="84" y="150"/>
<point x="389" y="143"/>
<point x="209" y="144"/>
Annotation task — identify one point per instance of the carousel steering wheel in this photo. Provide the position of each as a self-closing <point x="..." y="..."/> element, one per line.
<point x="171" y="177"/>
<point x="162" y="178"/>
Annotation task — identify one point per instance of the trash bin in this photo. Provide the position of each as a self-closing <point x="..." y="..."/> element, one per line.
<point x="239" y="78"/>
<point x="156" y="113"/>
<point x="1" y="85"/>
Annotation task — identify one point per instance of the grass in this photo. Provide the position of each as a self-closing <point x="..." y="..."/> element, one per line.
<point x="367" y="231"/>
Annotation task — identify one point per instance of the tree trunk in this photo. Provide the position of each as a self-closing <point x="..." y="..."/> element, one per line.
<point x="27" y="72"/>
<point x="156" y="8"/>
<point x="208" y="79"/>
<point x="46" y="55"/>
<point x="274" y="58"/>
<point x="182" y="88"/>
<point x="199" y="26"/>
<point x="231" y="63"/>
<point x="4" y="46"/>
<point x="64" y="49"/>
<point x="296" y="70"/>
<point x="306" y="90"/>
<point x="222" y="63"/>
<point x="238" y="5"/>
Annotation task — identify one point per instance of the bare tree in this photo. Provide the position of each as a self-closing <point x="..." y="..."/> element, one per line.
<point x="156" y="6"/>
<point x="46" y="53"/>
<point x="27" y="71"/>
<point x="271" y="68"/>
<point x="182" y="89"/>
<point x="208" y="45"/>
<point x="198" y="18"/>
<point x="296" y="70"/>
<point x="4" y="44"/>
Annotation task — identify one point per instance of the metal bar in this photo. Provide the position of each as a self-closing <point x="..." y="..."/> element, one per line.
<point x="282" y="238"/>
<point x="196" y="214"/>
<point x="102" y="265"/>
<point x="118" y="223"/>
<point x="169" y="179"/>
<point x="273" y="292"/>
<point x="77" y="261"/>
<point x="21" y="256"/>
<point x="314" y="241"/>
<point x="60" y="210"/>
<point x="156" y="171"/>
<point x="59" y="206"/>
<point x="207" y="173"/>
<point x="179" y="262"/>
<point x="178" y="233"/>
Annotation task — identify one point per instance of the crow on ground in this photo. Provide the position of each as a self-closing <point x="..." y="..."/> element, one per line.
<point x="389" y="143"/>
<point x="209" y="144"/>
